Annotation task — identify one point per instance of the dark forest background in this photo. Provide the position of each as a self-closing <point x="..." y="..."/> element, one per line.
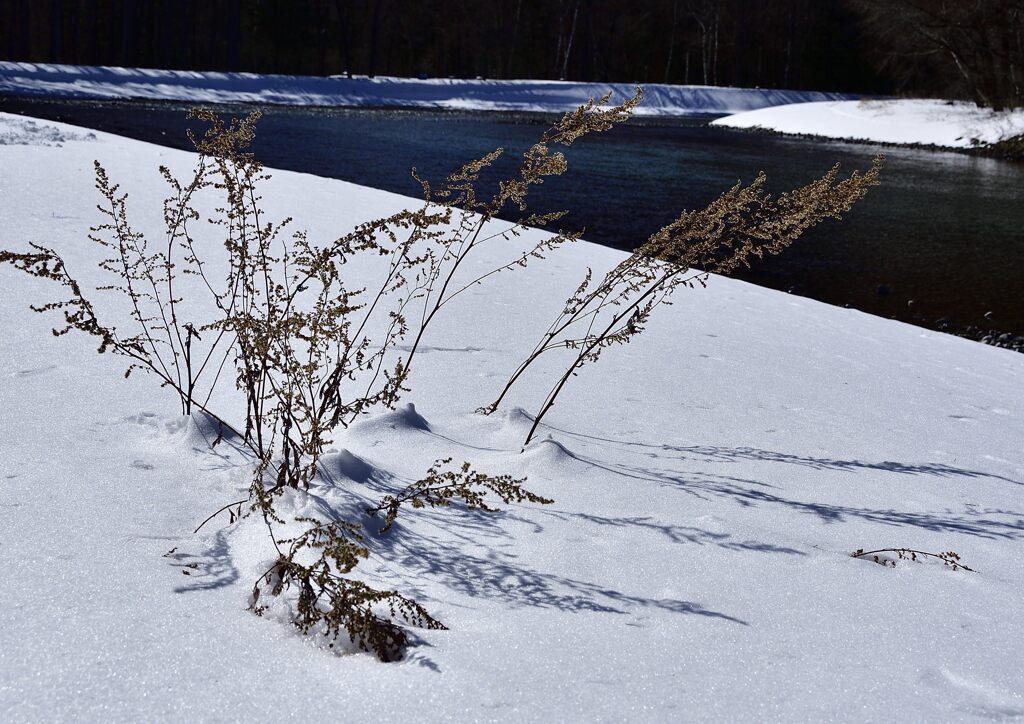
<point x="865" y="46"/>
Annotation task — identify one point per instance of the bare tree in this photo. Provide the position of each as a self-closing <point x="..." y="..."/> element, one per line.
<point x="707" y="15"/>
<point x="568" y="45"/>
<point x="978" y="44"/>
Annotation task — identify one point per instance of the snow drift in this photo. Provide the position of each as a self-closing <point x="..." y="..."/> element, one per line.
<point x="949" y="124"/>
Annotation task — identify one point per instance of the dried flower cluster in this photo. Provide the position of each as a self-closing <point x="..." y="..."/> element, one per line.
<point x="330" y="601"/>
<point x="440" y="487"/>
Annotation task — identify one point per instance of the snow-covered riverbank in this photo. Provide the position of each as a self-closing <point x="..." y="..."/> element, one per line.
<point x="70" y="81"/>
<point x="946" y="124"/>
<point x="710" y="478"/>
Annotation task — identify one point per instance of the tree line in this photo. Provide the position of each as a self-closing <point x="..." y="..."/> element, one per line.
<point x="866" y="46"/>
<point x="975" y="47"/>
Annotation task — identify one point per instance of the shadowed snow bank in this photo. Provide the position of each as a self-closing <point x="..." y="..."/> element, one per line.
<point x="544" y="96"/>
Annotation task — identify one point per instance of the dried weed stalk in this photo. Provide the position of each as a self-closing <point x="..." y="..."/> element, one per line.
<point x="440" y="487"/>
<point x="278" y="314"/>
<point x="742" y="223"/>
<point x="458" y="194"/>
<point x="329" y="600"/>
<point x="309" y="353"/>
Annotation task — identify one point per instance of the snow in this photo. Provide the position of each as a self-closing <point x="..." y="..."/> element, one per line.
<point x="76" y="81"/>
<point x="950" y="124"/>
<point x="710" y="478"/>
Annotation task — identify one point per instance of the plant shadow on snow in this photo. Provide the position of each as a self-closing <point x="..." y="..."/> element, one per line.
<point x="488" y="571"/>
<point x="987" y="523"/>
<point x="473" y="554"/>
<point x="208" y="569"/>
<point x="712" y="453"/>
<point x="476" y="555"/>
<point x="939" y="522"/>
<point x="476" y="558"/>
<point x="749" y="493"/>
<point x="679" y="533"/>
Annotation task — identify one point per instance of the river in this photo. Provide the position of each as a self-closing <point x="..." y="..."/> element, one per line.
<point x="939" y="244"/>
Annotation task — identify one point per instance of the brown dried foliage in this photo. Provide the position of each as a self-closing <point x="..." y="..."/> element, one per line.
<point x="331" y="602"/>
<point x="441" y="487"/>
<point x="310" y="353"/>
<point x="744" y="222"/>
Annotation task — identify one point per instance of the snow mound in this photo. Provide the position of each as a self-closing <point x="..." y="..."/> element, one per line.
<point x="343" y="464"/>
<point x="15" y="130"/>
<point x="905" y="122"/>
<point x="548" y="452"/>
<point x="402" y="418"/>
<point x="516" y="418"/>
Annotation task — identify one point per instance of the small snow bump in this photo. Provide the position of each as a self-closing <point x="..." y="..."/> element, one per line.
<point x="403" y="417"/>
<point x="549" y="450"/>
<point x="516" y="417"/>
<point x="344" y="464"/>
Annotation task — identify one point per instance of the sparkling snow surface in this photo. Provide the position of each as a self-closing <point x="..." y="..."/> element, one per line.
<point x="78" y="81"/>
<point x="950" y="124"/>
<point x="711" y="479"/>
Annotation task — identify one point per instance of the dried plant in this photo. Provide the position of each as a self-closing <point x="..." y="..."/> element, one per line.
<point x="331" y="602"/>
<point x="742" y="223"/>
<point x="459" y="193"/>
<point x="949" y="558"/>
<point x="440" y="487"/>
<point x="309" y="353"/>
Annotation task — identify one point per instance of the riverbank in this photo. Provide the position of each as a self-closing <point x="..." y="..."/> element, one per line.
<point x="537" y="96"/>
<point x="934" y="124"/>
<point x="711" y="480"/>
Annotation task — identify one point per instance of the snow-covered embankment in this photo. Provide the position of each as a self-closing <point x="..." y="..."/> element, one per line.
<point x="710" y="478"/>
<point x="946" y="124"/>
<point x="75" y="81"/>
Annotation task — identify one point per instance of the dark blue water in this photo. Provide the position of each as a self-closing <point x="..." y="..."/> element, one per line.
<point x="938" y="244"/>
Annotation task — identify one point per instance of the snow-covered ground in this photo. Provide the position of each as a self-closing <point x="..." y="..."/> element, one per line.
<point x="76" y="81"/>
<point x="950" y="124"/>
<point x="711" y="479"/>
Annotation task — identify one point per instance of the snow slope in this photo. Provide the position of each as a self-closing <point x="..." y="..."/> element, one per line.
<point x="950" y="124"/>
<point x="710" y="480"/>
<point x="75" y="81"/>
